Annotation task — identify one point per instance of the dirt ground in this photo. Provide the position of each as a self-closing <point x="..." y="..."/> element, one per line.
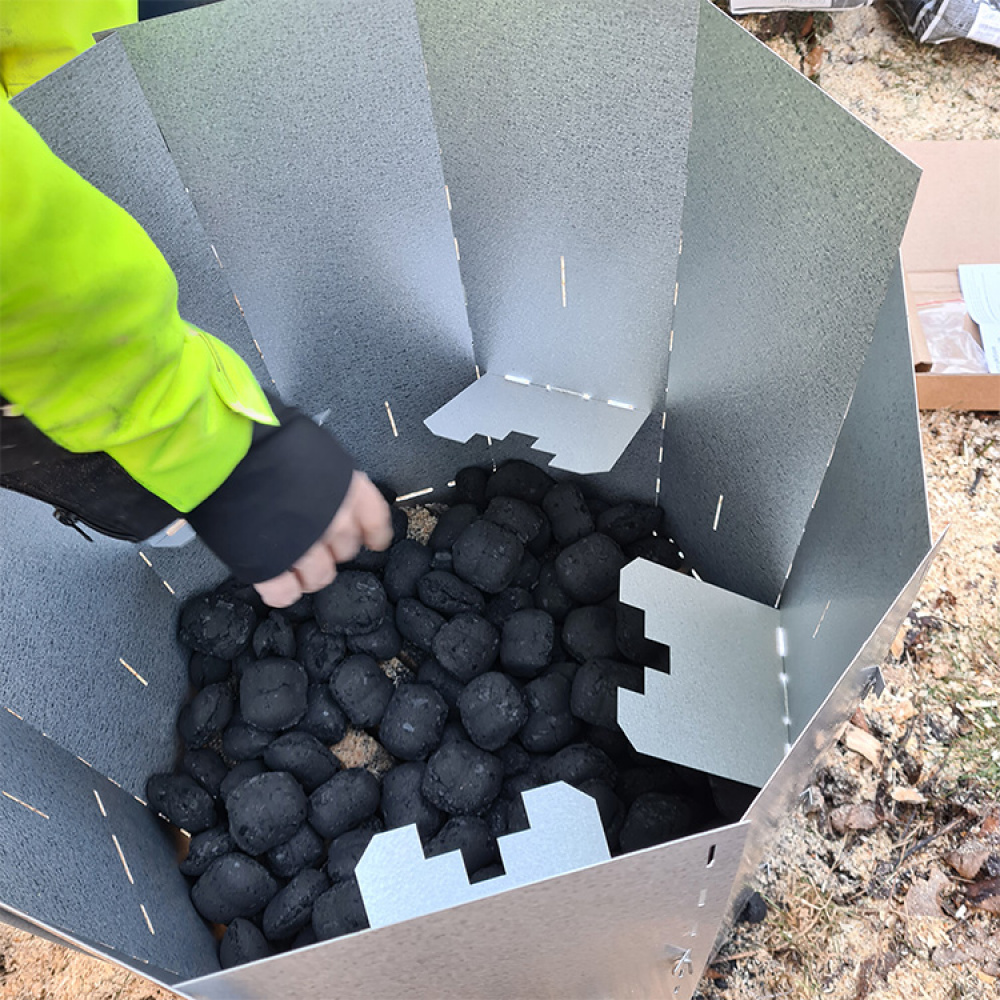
<point x="886" y="886"/>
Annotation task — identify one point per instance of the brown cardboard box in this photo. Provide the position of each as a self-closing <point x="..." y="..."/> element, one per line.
<point x="955" y="220"/>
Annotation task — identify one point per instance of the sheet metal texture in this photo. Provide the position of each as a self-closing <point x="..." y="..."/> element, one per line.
<point x="779" y="796"/>
<point x="563" y="131"/>
<point x="720" y="708"/>
<point x="72" y="611"/>
<point x="303" y="130"/>
<point x="93" y="115"/>
<point x="60" y="865"/>
<point x="611" y="930"/>
<point x="792" y="222"/>
<point x="869" y="528"/>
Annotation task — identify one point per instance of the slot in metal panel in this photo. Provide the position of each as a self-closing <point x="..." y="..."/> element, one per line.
<point x="83" y="857"/>
<point x="563" y="131"/>
<point x="304" y="132"/>
<point x="792" y="221"/>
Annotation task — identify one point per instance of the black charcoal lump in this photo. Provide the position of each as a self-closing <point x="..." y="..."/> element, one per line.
<point x="470" y="486"/>
<point x="206" y="714"/>
<point x="354" y="603"/>
<point x="568" y="514"/>
<point x="417" y="624"/>
<point x="487" y="556"/>
<point x="550" y="725"/>
<point x="594" y="697"/>
<point x="446" y="593"/>
<point x="657" y="549"/>
<point x="290" y="909"/>
<point x="655" y="818"/>
<point x="403" y="802"/>
<point x="610" y="807"/>
<point x="590" y="632"/>
<point x="274" y="637"/>
<point x="207" y="768"/>
<point x="628" y="522"/>
<point x="273" y="693"/>
<point x="243" y="942"/>
<point x="340" y="910"/>
<point x="492" y="710"/>
<point x="443" y="681"/>
<point x="524" y="520"/>
<point x="233" y="886"/>
<point x="324" y="718"/>
<point x="362" y="690"/>
<point x="182" y="800"/>
<point x="508" y="602"/>
<point x="382" y="643"/>
<point x="265" y="811"/>
<point x="304" y="849"/>
<point x="527" y="642"/>
<point x="588" y="569"/>
<point x="413" y="720"/>
<point x="462" y="779"/>
<point x="577" y="763"/>
<point x="241" y="772"/>
<point x="204" y="848"/>
<point x="471" y="836"/>
<point x="204" y="670"/>
<point x="466" y="646"/>
<point x="450" y="525"/>
<point x="408" y="562"/>
<point x="345" y="852"/>
<point x="521" y="480"/>
<point x="318" y="651"/>
<point x="347" y="799"/>
<point x="216" y="625"/>
<point x="241" y="741"/>
<point x="549" y="596"/>
<point x="307" y="760"/>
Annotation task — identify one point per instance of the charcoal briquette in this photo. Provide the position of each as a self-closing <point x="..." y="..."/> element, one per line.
<point x="610" y="807"/>
<point x="635" y="781"/>
<point x="290" y="908"/>
<point x="467" y="645"/>
<point x="353" y="604"/>
<point x="594" y="696"/>
<point x="324" y="718"/>
<point x="470" y="486"/>
<point x="382" y="643"/>
<point x="274" y="636"/>
<point x="243" y="771"/>
<point x="655" y="818"/>
<point x="754" y="910"/>
<point x="498" y="817"/>
<point x="454" y="730"/>
<point x="417" y="624"/>
<point x="549" y="596"/>
<point x="443" y="681"/>
<point x="302" y="610"/>
<point x="204" y="848"/>
<point x="345" y="852"/>
<point x="657" y="549"/>
<point x="400" y="521"/>
<point x="339" y="911"/>
<point x="443" y="560"/>
<point x="362" y="690"/>
<point x="487" y="556"/>
<point x="408" y="562"/>
<point x="204" y="670"/>
<point x="243" y="942"/>
<point x="233" y="886"/>
<point x="304" y="849"/>
<point x="307" y="760"/>
<point x="182" y="800"/>
<point x="508" y="602"/>
<point x="462" y="779"/>
<point x="273" y="693"/>
<point x="446" y="593"/>
<point x="577" y="763"/>
<point x="521" y="480"/>
<point x="731" y="798"/>
<point x="550" y="725"/>
<point x="568" y="514"/>
<point x="236" y="590"/>
<point x="524" y="520"/>
<point x="242" y="661"/>
<point x="340" y="804"/>
<point x="484" y="874"/>
<point x="413" y="720"/>
<point x="403" y="802"/>
<point x="589" y="632"/>
<point x="450" y="525"/>
<point x="265" y="811"/>
<point x="367" y="561"/>
<point x="471" y="836"/>
<point x="588" y="569"/>
<point x="318" y="651"/>
<point x="613" y="742"/>
<point x="492" y="710"/>
<point x="216" y="625"/>
<point x="206" y="714"/>
<point x="566" y="668"/>
<point x="206" y="767"/>
<point x="628" y="522"/>
<point x="241" y="741"/>
<point x="305" y="938"/>
<point x="526" y="642"/>
<point x="527" y="573"/>
<point x="515" y="759"/>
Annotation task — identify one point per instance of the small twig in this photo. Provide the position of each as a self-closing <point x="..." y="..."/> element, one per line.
<point x="947" y="828"/>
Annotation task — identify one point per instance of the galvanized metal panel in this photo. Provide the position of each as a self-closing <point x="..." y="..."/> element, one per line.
<point x="93" y="115"/>
<point x="74" y="613"/>
<point x="563" y="131"/>
<point x="846" y="569"/>
<point x="792" y="221"/>
<point x="622" y="928"/>
<point x="303" y="130"/>
<point x="82" y="856"/>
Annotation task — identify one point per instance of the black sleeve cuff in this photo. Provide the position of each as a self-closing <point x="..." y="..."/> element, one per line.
<point x="278" y="501"/>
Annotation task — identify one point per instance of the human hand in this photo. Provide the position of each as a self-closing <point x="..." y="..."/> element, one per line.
<point x="362" y="519"/>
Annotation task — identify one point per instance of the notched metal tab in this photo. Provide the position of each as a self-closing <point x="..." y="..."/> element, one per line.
<point x="398" y="883"/>
<point x="721" y="707"/>
<point x="584" y="435"/>
<point x="874" y="683"/>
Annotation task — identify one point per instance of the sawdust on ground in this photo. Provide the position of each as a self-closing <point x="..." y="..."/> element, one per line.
<point x="851" y="916"/>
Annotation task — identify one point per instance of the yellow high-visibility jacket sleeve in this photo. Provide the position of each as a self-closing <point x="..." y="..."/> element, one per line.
<point x="92" y="348"/>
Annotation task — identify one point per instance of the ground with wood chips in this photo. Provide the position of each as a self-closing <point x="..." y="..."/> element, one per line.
<point x="886" y="885"/>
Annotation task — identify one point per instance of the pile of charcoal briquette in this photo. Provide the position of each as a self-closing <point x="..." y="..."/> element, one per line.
<point x="485" y="662"/>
